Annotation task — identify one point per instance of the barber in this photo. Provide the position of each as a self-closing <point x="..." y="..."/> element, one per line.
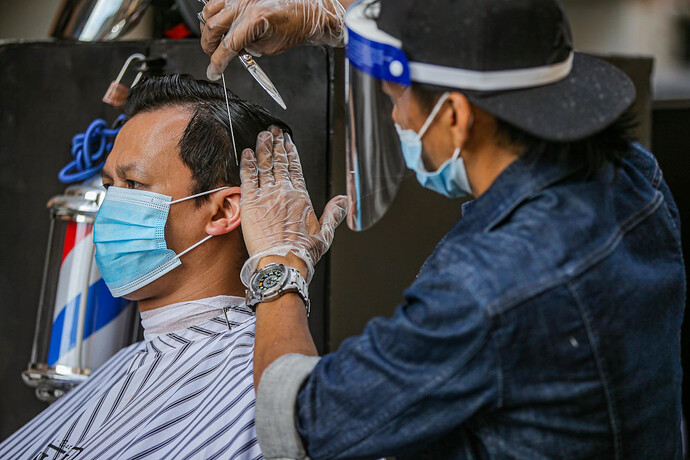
<point x="546" y="323"/>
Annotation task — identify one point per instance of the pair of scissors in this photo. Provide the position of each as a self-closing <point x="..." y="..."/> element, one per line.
<point x="253" y="68"/>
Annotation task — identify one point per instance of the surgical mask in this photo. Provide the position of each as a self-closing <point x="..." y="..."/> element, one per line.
<point x="450" y="179"/>
<point x="129" y="234"/>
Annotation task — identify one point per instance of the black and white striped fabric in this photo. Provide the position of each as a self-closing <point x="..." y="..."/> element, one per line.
<point x="181" y="395"/>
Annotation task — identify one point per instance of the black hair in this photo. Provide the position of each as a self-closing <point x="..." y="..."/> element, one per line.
<point x="594" y="153"/>
<point x="206" y="145"/>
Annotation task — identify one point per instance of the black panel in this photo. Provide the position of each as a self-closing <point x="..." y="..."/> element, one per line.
<point x="671" y="142"/>
<point x="50" y="91"/>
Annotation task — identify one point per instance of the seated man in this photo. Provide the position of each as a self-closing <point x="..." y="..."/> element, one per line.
<point x="187" y="390"/>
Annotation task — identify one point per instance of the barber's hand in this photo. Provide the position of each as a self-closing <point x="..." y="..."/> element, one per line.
<point x="267" y="27"/>
<point x="277" y="215"/>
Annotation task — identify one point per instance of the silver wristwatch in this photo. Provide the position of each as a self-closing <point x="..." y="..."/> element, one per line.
<point x="274" y="280"/>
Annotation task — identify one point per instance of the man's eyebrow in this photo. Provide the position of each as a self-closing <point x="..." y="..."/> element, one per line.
<point x="123" y="170"/>
<point x="105" y="175"/>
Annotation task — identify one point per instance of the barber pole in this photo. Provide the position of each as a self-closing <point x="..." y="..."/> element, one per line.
<point x="79" y="325"/>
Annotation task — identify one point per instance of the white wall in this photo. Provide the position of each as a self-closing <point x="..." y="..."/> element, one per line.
<point x="31" y="19"/>
<point x="635" y="27"/>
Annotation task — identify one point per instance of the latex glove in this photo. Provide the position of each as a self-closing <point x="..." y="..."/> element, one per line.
<point x="277" y="214"/>
<point x="267" y="27"/>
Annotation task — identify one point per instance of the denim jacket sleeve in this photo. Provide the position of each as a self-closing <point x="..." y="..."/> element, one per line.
<point x="412" y="377"/>
<point x="407" y="379"/>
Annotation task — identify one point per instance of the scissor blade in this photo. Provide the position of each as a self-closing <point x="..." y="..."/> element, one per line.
<point x="261" y="77"/>
<point x="257" y="72"/>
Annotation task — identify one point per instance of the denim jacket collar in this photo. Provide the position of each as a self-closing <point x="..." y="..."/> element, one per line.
<point x="521" y="180"/>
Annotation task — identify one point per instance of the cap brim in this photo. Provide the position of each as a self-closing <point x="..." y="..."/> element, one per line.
<point x="589" y="99"/>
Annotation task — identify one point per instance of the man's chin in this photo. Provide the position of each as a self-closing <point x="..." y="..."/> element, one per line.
<point x="159" y="288"/>
<point x="138" y="295"/>
<point x="151" y="291"/>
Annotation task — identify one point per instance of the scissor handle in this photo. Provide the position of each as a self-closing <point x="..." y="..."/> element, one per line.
<point x="247" y="58"/>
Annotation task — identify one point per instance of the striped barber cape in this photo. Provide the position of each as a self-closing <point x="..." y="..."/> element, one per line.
<point x="181" y="395"/>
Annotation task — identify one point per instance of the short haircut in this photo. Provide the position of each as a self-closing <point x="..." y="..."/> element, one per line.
<point x="206" y="145"/>
<point x="593" y="153"/>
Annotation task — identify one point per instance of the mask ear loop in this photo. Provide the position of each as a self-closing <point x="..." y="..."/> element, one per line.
<point x="189" y="198"/>
<point x="432" y="116"/>
<point x="193" y="246"/>
<point x="199" y="194"/>
<point x="430" y="119"/>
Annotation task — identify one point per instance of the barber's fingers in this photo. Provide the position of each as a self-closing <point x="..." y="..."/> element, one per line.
<point x="294" y="165"/>
<point x="264" y="158"/>
<point x="249" y="173"/>
<point x="216" y="18"/>
<point x="245" y="30"/>
<point x="211" y="8"/>
<point x="280" y="161"/>
<point x="333" y="215"/>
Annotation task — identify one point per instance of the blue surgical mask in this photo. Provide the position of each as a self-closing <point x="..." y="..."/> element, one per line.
<point x="129" y="234"/>
<point x="450" y="179"/>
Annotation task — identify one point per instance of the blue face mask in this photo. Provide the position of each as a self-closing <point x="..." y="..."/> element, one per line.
<point x="450" y="179"/>
<point x="129" y="234"/>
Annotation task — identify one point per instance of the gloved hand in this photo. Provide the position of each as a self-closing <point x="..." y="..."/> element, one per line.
<point x="267" y="27"/>
<point x="277" y="215"/>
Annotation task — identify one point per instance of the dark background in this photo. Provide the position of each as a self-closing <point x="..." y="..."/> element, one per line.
<point x="671" y="144"/>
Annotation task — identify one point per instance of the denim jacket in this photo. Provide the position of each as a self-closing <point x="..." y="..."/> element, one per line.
<point x="546" y="324"/>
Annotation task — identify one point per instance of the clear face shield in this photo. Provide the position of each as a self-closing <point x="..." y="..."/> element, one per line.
<point x="375" y="164"/>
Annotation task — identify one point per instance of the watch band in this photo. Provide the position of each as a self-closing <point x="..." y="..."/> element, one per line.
<point x="292" y="282"/>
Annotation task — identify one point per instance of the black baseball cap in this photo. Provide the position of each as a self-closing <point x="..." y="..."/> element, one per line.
<point x="512" y="58"/>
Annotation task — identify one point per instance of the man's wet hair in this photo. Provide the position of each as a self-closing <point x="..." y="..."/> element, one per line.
<point x="593" y="154"/>
<point x="206" y="145"/>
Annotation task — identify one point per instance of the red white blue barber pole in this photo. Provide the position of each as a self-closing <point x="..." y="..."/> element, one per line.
<point x="80" y="325"/>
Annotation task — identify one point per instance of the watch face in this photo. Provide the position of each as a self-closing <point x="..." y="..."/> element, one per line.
<point x="271" y="278"/>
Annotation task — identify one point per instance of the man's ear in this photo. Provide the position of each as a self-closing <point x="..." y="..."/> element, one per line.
<point x="226" y="211"/>
<point x="462" y="119"/>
